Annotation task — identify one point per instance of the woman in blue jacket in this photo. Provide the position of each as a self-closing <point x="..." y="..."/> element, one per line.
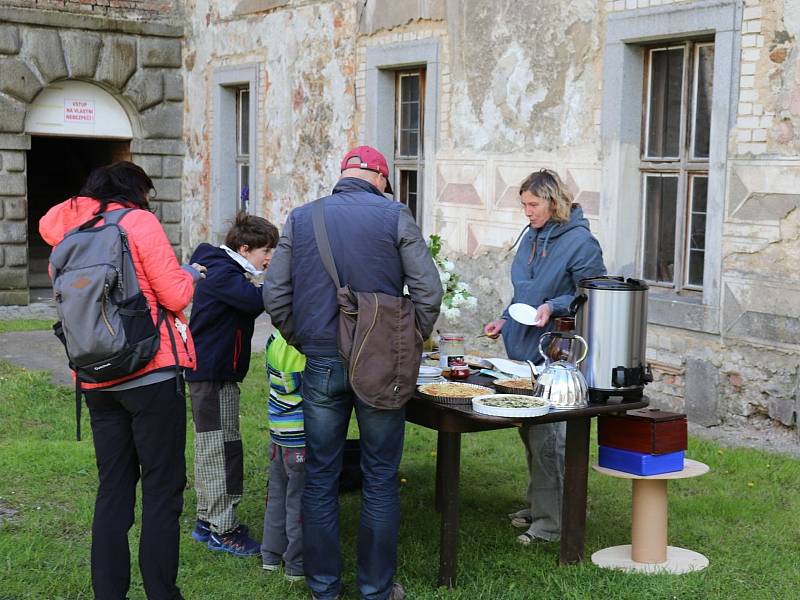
<point x="556" y="250"/>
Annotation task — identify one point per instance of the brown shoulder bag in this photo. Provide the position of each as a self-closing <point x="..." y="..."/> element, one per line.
<point x="378" y="341"/>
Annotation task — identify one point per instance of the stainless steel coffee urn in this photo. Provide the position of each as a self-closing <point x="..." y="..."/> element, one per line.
<point x="611" y="315"/>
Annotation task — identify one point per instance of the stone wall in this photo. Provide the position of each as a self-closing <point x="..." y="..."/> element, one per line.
<point x="519" y="86"/>
<point x="138" y="63"/>
<point x="158" y="10"/>
<point x="521" y="89"/>
<point x="304" y="59"/>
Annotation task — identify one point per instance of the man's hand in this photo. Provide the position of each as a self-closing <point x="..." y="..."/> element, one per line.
<point x="492" y="330"/>
<point x="543" y="315"/>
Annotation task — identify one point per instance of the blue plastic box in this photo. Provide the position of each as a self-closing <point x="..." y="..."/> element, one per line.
<point x="639" y="463"/>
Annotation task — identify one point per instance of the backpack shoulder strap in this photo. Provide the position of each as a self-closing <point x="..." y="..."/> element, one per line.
<point x="323" y="243"/>
<point x="113" y="217"/>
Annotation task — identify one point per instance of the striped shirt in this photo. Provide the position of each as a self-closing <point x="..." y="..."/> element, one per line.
<point x="285" y="373"/>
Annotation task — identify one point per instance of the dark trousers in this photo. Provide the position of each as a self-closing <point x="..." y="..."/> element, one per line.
<point x="138" y="432"/>
<point x="328" y="401"/>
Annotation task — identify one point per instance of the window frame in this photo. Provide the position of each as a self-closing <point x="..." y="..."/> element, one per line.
<point x="626" y="32"/>
<point x="685" y="165"/>
<point x="225" y="172"/>
<point x="242" y="158"/>
<point x="382" y="61"/>
<point x="408" y="162"/>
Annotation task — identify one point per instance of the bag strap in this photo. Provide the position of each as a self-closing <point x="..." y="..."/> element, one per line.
<point x="78" y="394"/>
<point x="110" y="217"/>
<point x="162" y="318"/>
<point x="323" y="243"/>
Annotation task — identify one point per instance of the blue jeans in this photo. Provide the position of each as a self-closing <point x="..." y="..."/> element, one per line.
<point x="328" y="401"/>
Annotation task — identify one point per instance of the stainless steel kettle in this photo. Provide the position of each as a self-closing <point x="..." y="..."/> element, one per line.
<point x="561" y="383"/>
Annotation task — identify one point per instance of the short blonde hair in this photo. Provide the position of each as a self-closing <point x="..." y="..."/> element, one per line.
<point x="547" y="185"/>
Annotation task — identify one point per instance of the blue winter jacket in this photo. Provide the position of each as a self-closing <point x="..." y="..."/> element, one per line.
<point x="224" y="310"/>
<point x="376" y="246"/>
<point x="549" y="263"/>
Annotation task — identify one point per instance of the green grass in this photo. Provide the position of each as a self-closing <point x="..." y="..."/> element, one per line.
<point x="743" y="516"/>
<point x="25" y="325"/>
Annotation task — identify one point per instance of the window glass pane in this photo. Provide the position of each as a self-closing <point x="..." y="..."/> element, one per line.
<point x="664" y="104"/>
<point x="703" y="87"/>
<point x="244" y="186"/>
<point x="697" y="229"/>
<point x="409" y="117"/>
<point x="244" y="122"/>
<point x="408" y="190"/>
<point x="410" y="88"/>
<point x="659" y="227"/>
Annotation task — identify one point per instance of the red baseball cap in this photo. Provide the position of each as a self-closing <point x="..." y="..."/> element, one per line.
<point x="368" y="158"/>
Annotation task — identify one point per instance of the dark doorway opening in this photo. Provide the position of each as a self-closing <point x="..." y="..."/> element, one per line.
<point x="57" y="169"/>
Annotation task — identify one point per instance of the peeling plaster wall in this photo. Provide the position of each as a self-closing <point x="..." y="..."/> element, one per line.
<point x="305" y="56"/>
<point x="519" y="88"/>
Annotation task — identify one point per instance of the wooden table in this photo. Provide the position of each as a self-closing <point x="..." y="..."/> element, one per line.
<point x="453" y="420"/>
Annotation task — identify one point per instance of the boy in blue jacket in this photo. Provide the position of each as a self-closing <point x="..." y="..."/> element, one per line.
<point x="225" y="307"/>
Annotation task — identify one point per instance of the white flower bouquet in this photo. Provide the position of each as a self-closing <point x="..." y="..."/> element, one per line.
<point x="456" y="292"/>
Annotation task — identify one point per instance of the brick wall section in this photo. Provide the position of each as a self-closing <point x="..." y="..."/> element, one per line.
<point x="753" y="122"/>
<point x="125" y="9"/>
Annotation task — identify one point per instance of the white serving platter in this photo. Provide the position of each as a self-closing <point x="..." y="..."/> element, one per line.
<point x="479" y="405"/>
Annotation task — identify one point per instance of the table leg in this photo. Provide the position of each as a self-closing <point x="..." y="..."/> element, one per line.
<point x="448" y="460"/>
<point x="573" y="505"/>
<point x="649" y="529"/>
<point x="437" y="497"/>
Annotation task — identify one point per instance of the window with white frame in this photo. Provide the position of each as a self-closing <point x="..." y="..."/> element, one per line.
<point x="675" y="162"/>
<point x="409" y="125"/>
<point x="243" y="148"/>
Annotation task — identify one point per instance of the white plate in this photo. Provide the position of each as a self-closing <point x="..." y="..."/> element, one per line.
<point x="426" y="371"/>
<point x="515" y="368"/>
<point x="497" y="411"/>
<point x="439" y="379"/>
<point x="523" y="313"/>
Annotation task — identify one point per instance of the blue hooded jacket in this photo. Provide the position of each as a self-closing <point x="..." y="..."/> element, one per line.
<point x="224" y="311"/>
<point x="549" y="263"/>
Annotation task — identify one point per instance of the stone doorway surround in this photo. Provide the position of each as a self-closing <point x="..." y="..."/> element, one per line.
<point x="138" y="63"/>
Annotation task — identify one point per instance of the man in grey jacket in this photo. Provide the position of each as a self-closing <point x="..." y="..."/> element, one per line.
<point x="377" y="247"/>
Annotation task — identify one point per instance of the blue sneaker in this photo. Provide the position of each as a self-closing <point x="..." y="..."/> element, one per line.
<point x="201" y="531"/>
<point x="235" y="542"/>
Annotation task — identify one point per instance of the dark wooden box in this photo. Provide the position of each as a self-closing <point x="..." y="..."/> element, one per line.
<point x="646" y="430"/>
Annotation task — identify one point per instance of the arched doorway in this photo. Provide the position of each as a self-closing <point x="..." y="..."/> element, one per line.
<point x="75" y="127"/>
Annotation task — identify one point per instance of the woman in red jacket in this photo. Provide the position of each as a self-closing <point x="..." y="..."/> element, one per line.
<point x="138" y="421"/>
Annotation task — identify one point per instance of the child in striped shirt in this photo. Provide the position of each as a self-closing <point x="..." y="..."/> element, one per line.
<point x="283" y="529"/>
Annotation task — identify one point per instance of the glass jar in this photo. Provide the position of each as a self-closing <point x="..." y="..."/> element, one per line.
<point x="450" y="344"/>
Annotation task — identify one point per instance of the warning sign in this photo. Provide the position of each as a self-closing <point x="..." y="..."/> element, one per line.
<point x="78" y="111"/>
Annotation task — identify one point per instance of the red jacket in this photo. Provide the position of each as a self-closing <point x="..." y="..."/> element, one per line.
<point x="160" y="276"/>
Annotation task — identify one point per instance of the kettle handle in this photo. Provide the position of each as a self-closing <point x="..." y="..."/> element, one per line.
<point x="541" y="339"/>
<point x="585" y="349"/>
<point x="571" y="336"/>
